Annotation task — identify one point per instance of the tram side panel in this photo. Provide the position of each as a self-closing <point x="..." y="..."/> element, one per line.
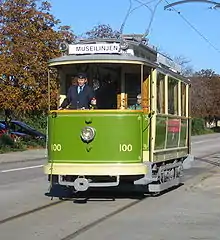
<point x="171" y="138"/>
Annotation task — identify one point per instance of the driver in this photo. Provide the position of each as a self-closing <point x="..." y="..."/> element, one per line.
<point x="79" y="96"/>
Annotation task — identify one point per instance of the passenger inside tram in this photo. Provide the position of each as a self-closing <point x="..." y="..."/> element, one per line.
<point x="137" y="105"/>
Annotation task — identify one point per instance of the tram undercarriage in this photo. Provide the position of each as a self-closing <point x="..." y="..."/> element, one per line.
<point x="159" y="177"/>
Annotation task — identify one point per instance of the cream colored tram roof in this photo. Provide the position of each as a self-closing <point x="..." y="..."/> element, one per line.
<point x="110" y="58"/>
<point x="105" y="58"/>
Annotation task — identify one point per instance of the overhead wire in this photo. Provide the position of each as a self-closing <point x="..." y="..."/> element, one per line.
<point x="152" y="15"/>
<point x="195" y="29"/>
<point x="130" y="10"/>
<point x="126" y="16"/>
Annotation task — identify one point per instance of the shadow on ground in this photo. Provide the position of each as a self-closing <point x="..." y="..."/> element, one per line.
<point x="114" y="193"/>
<point x="101" y="195"/>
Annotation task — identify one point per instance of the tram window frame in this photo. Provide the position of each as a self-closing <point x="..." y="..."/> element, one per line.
<point x="161" y="93"/>
<point x="123" y="75"/>
<point x="173" y="95"/>
<point x="132" y="88"/>
<point x="183" y="98"/>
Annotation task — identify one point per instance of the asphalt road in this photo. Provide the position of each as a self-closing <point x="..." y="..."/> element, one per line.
<point x="23" y="185"/>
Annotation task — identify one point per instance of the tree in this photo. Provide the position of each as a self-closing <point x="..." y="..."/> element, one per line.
<point x="187" y="70"/>
<point x="102" y="31"/>
<point x="205" y="94"/>
<point x="205" y="73"/>
<point x="28" y="41"/>
<point x="201" y="97"/>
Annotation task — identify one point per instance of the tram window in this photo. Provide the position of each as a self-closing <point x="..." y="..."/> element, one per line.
<point x="172" y="96"/>
<point x="133" y="87"/>
<point x="160" y="93"/>
<point x="112" y="83"/>
<point x="106" y="92"/>
<point x="183" y="99"/>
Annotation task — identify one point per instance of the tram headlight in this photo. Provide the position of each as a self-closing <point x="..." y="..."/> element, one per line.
<point x="87" y="134"/>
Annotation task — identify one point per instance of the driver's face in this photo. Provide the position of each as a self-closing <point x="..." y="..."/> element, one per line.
<point x="81" y="81"/>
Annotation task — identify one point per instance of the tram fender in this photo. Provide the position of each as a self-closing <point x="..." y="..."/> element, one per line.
<point x="187" y="163"/>
<point x="148" y="178"/>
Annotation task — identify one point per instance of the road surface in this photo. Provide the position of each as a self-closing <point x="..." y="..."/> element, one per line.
<point x="185" y="213"/>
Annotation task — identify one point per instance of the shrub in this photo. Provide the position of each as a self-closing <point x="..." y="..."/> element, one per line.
<point x="7" y="144"/>
<point x="198" y="127"/>
<point x="39" y="122"/>
<point x="34" y="143"/>
<point x="6" y="140"/>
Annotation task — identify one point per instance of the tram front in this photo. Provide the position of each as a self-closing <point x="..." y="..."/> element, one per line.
<point x="107" y="144"/>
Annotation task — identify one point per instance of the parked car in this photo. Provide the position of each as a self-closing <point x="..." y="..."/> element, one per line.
<point x="2" y="129"/>
<point x="16" y="136"/>
<point x="23" y="128"/>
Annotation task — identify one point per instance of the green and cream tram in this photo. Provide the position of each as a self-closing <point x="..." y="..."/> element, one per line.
<point x="112" y="144"/>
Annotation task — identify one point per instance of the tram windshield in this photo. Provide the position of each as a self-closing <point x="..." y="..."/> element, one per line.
<point x="116" y="86"/>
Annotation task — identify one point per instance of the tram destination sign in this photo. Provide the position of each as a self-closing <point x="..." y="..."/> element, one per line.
<point x="94" y="48"/>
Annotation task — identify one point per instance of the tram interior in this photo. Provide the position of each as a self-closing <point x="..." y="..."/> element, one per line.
<point x="109" y="81"/>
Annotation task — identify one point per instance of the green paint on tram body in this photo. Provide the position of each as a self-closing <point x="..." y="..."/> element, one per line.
<point x="118" y="137"/>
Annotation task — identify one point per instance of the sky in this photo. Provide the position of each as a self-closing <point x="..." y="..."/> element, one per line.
<point x="168" y="31"/>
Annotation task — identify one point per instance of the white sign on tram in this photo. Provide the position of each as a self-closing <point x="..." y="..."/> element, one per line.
<point x="94" y="48"/>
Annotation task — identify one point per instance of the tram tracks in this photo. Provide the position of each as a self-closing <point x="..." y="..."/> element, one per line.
<point x="84" y="228"/>
<point x="26" y="213"/>
<point x="59" y="202"/>
<point x="96" y="222"/>
<point x="213" y="159"/>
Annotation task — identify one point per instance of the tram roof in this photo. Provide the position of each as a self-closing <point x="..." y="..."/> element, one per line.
<point x="174" y="74"/>
<point x="107" y="50"/>
<point x="105" y="58"/>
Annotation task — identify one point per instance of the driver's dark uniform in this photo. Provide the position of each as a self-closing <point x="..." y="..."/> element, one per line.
<point x="78" y="97"/>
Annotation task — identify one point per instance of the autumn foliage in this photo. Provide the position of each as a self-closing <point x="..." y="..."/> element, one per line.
<point x="205" y="94"/>
<point x="28" y="41"/>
